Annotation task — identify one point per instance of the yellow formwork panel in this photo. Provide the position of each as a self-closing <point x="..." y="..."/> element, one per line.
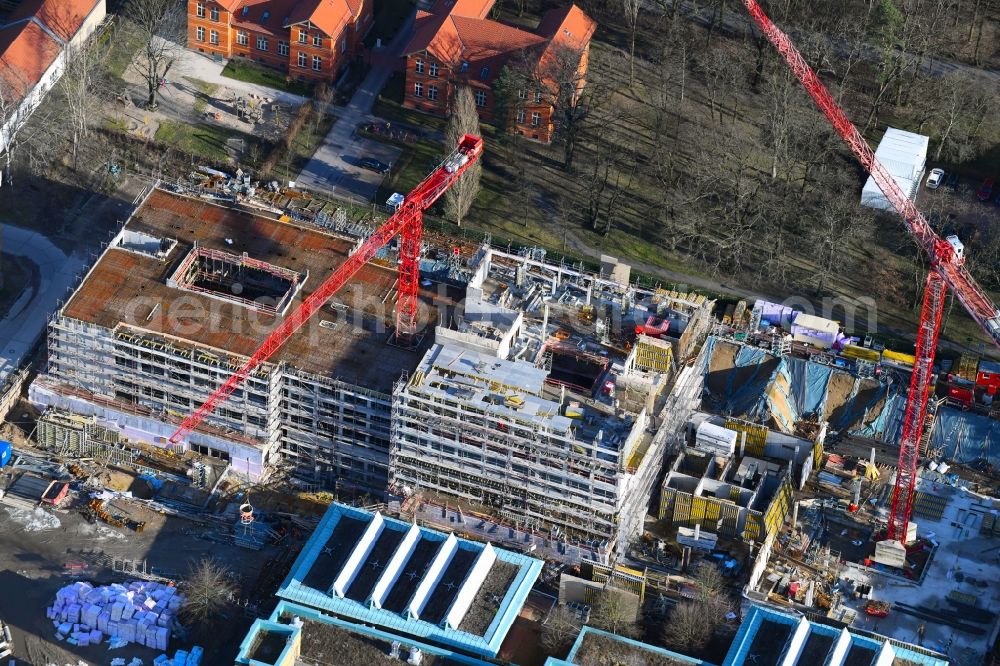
<point x="863" y="353"/>
<point x="899" y="357"/>
<point x="755" y="436"/>
<point x="650" y="356"/>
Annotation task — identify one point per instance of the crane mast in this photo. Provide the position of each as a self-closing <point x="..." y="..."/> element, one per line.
<point x="407" y="221"/>
<point x="947" y="270"/>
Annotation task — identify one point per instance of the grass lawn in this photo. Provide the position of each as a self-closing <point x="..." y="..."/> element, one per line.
<point x="304" y="146"/>
<point x="200" y="139"/>
<point x="389" y="16"/>
<point x="251" y="72"/>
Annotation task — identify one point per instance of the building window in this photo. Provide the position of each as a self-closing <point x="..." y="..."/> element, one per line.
<point x="434" y="69"/>
<point x="261" y="44"/>
<point x="303" y="37"/>
<point x="200" y="32"/>
<point x="520" y="116"/>
<point x="480" y="98"/>
<point x="283" y="48"/>
<point x="432" y="92"/>
<point x="214" y="13"/>
<point x="538" y="97"/>
<point x="242" y="38"/>
<point x="536" y="118"/>
<point x="201" y="10"/>
<point x="418" y="89"/>
<point x="317" y="63"/>
<point x="484" y="73"/>
<point x="213" y="37"/>
<point x="317" y="40"/>
<point x="302" y="59"/>
<point x="520" y="94"/>
<point x="419" y="66"/>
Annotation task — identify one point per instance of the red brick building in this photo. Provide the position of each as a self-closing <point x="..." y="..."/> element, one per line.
<point x="309" y="39"/>
<point x="455" y="44"/>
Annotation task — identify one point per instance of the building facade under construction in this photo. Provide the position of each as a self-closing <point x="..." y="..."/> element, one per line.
<point x="184" y="293"/>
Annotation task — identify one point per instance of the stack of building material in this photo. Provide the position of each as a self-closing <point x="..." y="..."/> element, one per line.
<point x="181" y="658"/>
<point x="140" y="612"/>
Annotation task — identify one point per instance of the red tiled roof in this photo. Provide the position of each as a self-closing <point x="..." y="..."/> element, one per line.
<point x="330" y="16"/>
<point x="63" y="17"/>
<point x="228" y="5"/>
<point x="26" y="52"/>
<point x="250" y="14"/>
<point x="453" y="37"/>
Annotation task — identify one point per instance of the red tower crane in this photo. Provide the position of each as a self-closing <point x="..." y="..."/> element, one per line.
<point x="407" y="221"/>
<point x="947" y="270"/>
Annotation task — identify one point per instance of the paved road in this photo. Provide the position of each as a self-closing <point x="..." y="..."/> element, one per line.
<point x="334" y="167"/>
<point x="53" y="275"/>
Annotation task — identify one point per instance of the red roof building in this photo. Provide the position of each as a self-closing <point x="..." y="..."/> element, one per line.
<point x="310" y="40"/>
<point x="455" y="44"/>
<point x="33" y="39"/>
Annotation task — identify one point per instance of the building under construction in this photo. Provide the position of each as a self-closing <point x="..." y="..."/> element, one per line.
<point x="184" y="293"/>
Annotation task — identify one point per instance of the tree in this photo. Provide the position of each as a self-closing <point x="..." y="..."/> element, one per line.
<point x="617" y="612"/>
<point x="76" y="90"/>
<point x="208" y="592"/>
<point x="630" y="8"/>
<point x="692" y="623"/>
<point x="160" y="26"/>
<point x="464" y="120"/>
<point x="559" y="630"/>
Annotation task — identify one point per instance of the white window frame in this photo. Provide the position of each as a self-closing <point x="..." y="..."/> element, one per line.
<point x="538" y="97"/>
<point x="480" y="98"/>
<point x="433" y="69"/>
<point x="520" y="116"/>
<point x="200" y="10"/>
<point x="418" y="89"/>
<point x="301" y="60"/>
<point x="261" y="43"/>
<point x="242" y="38"/>
<point x="303" y="37"/>
<point x="520" y="93"/>
<point x="200" y="33"/>
<point x="536" y="119"/>
<point x="283" y="48"/>
<point x="317" y="64"/>
<point x="318" y="41"/>
<point x="418" y="66"/>
<point x="432" y="93"/>
<point x="213" y="13"/>
<point x="213" y="37"/>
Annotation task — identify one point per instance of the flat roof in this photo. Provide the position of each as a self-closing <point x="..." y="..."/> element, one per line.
<point x="768" y="637"/>
<point x="125" y="286"/>
<point x="415" y="581"/>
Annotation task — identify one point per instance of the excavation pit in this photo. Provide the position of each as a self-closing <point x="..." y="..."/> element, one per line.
<point x="239" y="279"/>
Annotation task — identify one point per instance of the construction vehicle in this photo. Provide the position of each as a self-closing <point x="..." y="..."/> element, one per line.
<point x="95" y="511"/>
<point x="407" y="222"/>
<point x="947" y="260"/>
<point x="877" y="608"/>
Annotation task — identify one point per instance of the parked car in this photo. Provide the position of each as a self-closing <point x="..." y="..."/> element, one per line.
<point x="935" y="179"/>
<point x="985" y="190"/>
<point x="373" y="164"/>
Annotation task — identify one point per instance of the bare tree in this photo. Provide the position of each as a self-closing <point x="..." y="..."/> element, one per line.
<point x="559" y="630"/>
<point x="686" y="628"/>
<point x="77" y="90"/>
<point x="630" y="8"/>
<point x="160" y="26"/>
<point x="464" y="120"/>
<point x="617" y="612"/>
<point x="208" y="592"/>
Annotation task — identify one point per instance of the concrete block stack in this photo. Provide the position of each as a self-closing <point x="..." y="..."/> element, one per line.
<point x="181" y="658"/>
<point x="140" y="612"/>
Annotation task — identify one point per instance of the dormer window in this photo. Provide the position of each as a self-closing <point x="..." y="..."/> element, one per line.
<point x="246" y="10"/>
<point x="265" y="16"/>
<point x="465" y="67"/>
<point x="483" y="73"/>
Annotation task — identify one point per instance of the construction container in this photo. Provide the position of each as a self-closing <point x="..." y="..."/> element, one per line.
<point x="715" y="439"/>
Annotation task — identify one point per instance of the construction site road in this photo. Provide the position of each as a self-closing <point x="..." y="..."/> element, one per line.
<point x="54" y="273"/>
